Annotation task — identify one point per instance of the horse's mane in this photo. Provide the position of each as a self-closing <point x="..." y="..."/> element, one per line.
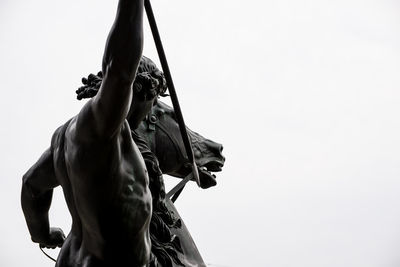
<point x="164" y="245"/>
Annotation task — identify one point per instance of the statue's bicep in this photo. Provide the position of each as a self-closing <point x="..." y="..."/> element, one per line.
<point x="41" y="176"/>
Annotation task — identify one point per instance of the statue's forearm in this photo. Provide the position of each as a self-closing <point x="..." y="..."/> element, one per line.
<point x="37" y="192"/>
<point x="125" y="41"/>
<point x="120" y="61"/>
<point x="36" y="209"/>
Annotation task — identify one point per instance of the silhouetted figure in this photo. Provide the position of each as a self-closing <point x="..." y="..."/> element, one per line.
<point x="94" y="159"/>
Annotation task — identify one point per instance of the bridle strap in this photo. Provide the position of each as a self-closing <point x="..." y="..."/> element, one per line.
<point x="173" y="139"/>
<point x="177" y="190"/>
<point x="174" y="193"/>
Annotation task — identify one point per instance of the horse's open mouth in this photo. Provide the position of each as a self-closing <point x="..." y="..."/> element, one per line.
<point x="207" y="178"/>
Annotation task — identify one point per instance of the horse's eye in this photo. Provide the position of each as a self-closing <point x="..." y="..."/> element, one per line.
<point x="197" y="154"/>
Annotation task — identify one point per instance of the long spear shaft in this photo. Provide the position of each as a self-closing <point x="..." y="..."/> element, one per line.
<point x="171" y="88"/>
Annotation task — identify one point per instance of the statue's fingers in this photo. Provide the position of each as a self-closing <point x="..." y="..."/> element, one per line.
<point x="47" y="246"/>
<point x="84" y="80"/>
<point x="61" y="242"/>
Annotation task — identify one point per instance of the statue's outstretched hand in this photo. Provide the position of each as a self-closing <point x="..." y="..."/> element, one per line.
<point x="55" y="239"/>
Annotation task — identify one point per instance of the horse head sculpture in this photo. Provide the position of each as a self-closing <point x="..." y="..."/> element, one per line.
<point x="161" y="131"/>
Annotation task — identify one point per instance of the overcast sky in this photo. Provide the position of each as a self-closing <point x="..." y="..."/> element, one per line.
<point x="304" y="96"/>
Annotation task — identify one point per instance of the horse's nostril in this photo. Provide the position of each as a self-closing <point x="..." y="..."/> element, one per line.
<point x="215" y="148"/>
<point x="221" y="147"/>
<point x="218" y="148"/>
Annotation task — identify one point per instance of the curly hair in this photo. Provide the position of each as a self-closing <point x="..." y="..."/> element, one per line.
<point x="149" y="82"/>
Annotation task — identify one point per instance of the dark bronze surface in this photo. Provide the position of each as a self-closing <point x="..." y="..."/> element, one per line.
<point x="94" y="159"/>
<point x="109" y="160"/>
<point x="161" y="131"/>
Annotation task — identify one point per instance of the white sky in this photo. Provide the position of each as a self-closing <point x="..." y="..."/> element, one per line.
<point x="304" y="95"/>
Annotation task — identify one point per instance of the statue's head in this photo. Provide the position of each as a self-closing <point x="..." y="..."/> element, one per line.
<point x="148" y="84"/>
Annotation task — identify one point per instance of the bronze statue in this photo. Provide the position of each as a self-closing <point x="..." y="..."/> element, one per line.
<point x="95" y="160"/>
<point x="109" y="160"/>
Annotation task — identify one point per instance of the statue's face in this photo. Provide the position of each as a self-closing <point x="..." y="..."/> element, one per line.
<point x="138" y="111"/>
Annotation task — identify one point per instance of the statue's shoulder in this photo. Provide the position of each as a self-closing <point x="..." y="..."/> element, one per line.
<point x="57" y="140"/>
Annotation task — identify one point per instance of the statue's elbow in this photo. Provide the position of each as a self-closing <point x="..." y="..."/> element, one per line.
<point x="26" y="189"/>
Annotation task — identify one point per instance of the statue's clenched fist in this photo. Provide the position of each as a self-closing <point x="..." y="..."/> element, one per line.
<point x="55" y="239"/>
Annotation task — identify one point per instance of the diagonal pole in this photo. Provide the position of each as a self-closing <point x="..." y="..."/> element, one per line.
<point x="171" y="89"/>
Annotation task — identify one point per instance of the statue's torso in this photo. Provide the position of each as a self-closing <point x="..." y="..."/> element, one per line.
<point x="106" y="188"/>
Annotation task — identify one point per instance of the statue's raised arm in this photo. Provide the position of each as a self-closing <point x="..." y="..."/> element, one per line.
<point x="104" y="115"/>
